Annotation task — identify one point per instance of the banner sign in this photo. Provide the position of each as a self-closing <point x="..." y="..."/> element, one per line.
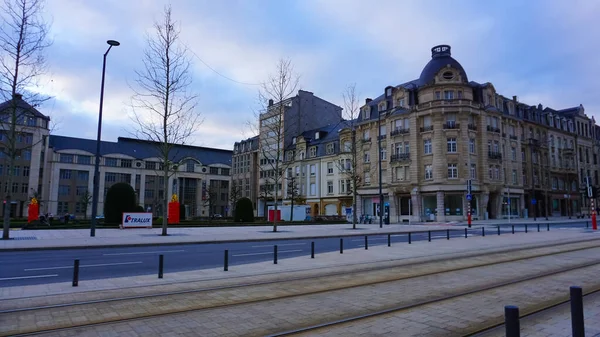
<point x="136" y="220"/>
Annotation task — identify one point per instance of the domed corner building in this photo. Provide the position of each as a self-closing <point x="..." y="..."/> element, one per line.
<point x="442" y="130"/>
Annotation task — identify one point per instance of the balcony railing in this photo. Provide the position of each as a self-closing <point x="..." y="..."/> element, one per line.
<point x="382" y="137"/>
<point x="493" y="129"/>
<point x="367" y="140"/>
<point x="400" y="157"/>
<point x="427" y="128"/>
<point x="473" y="127"/>
<point x="451" y="125"/>
<point x="494" y="155"/>
<point x="513" y="137"/>
<point x="399" y="131"/>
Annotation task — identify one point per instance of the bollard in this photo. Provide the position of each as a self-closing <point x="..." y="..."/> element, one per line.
<point x="409" y="238"/>
<point x="366" y="243"/>
<point x="498" y="229"/>
<point x="482" y="231"/>
<point x="511" y="321"/>
<point x="389" y="240"/>
<point x="577" y="312"/>
<point x="226" y="261"/>
<point x="587" y="224"/>
<point x="465" y="233"/>
<point x="525" y="228"/>
<point x="76" y="273"/>
<point x="513" y="229"/>
<point x="429" y="236"/>
<point x="161" y="263"/>
<point x="341" y="246"/>
<point x="447" y="234"/>
<point x="538" y="227"/>
<point x="312" y="250"/>
<point x="275" y="254"/>
<point x="548" y="225"/>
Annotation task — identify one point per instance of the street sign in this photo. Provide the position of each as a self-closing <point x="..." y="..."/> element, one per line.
<point x="589" y="190"/>
<point x="386" y="204"/>
<point x="533" y="201"/>
<point x="469" y="197"/>
<point x="469" y="187"/>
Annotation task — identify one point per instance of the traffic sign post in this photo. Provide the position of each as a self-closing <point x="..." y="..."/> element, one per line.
<point x="592" y="203"/>
<point x="469" y="197"/>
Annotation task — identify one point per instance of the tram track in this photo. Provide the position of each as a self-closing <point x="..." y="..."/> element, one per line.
<point x="355" y="279"/>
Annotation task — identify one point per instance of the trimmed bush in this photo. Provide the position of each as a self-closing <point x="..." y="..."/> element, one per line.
<point x="120" y="198"/>
<point x="140" y="209"/>
<point x="244" y="211"/>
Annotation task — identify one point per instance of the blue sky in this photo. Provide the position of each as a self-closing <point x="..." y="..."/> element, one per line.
<point x="541" y="51"/>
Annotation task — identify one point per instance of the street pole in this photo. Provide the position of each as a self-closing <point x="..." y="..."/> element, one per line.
<point x="380" y="170"/>
<point x="592" y="203"/>
<point x="95" y="193"/>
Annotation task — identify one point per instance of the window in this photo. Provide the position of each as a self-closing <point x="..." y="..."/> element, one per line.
<point x="83" y="175"/>
<point x="150" y="165"/>
<point x="84" y="160"/>
<point x="330" y="168"/>
<point x="400" y="102"/>
<point x="473" y="171"/>
<point x="17" y="171"/>
<point x="312" y="151"/>
<point x="438" y="95"/>
<point x="330" y="149"/>
<point x="110" y="177"/>
<point x="491" y="172"/>
<point x="451" y="142"/>
<point x="460" y="94"/>
<point x="367" y="158"/>
<point x="471" y="145"/>
<point x="65" y="174"/>
<point x="27" y="154"/>
<point x="190" y="165"/>
<point x="452" y="171"/>
<point x="347" y="146"/>
<point x="64" y="189"/>
<point x="66" y="158"/>
<point x="513" y="153"/>
<point x="80" y="190"/>
<point x="366" y="135"/>
<point x="25" y="188"/>
<point x="448" y="94"/>
<point x="428" y="172"/>
<point x="514" y="177"/>
<point x="25" y="171"/>
<point x="383" y="153"/>
<point x="313" y="169"/>
<point x="149" y="193"/>
<point x="112" y="162"/>
<point x="329" y="187"/>
<point x="313" y="189"/>
<point x="367" y="178"/>
<point x="406" y="147"/>
<point x="62" y="207"/>
<point x="427" y="121"/>
<point x="427" y="146"/>
<point x="401" y="173"/>
<point x="126" y="162"/>
<point x="15" y="187"/>
<point x="382" y="130"/>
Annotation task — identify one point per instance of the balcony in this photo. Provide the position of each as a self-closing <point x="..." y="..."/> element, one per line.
<point x="493" y="129"/>
<point x="513" y="137"/>
<point x="494" y="155"/>
<point x="451" y="125"/>
<point x="567" y="151"/>
<point x="473" y="127"/>
<point x="367" y="140"/>
<point x="427" y="128"/>
<point x="447" y="102"/>
<point x="400" y="157"/>
<point x="399" y="131"/>
<point x="381" y="137"/>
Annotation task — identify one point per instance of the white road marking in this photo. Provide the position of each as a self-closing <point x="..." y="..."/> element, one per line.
<point x="134" y="253"/>
<point x="85" y="265"/>
<point x="26" y="277"/>
<point x="266" y="253"/>
<point x="283" y="244"/>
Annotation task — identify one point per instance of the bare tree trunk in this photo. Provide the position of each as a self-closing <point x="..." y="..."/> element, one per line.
<point x="165" y="220"/>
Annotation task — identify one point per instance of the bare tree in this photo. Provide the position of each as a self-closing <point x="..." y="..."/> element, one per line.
<point x="164" y="108"/>
<point x="209" y="200"/>
<point x="275" y="95"/>
<point x="235" y="193"/>
<point x="22" y="62"/>
<point x="352" y="150"/>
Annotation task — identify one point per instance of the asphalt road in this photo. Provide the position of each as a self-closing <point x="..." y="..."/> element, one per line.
<point x="41" y="267"/>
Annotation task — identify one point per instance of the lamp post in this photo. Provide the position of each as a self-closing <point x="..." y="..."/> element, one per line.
<point x="111" y="43"/>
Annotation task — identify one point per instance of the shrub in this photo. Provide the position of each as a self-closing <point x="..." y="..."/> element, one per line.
<point x="244" y="211"/>
<point x="120" y="198"/>
<point x="140" y="209"/>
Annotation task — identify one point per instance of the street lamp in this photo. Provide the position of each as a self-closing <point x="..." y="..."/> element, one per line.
<point x="111" y="43"/>
<point x="380" y="170"/>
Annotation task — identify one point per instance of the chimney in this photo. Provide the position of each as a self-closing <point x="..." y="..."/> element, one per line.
<point x="18" y="96"/>
<point x="368" y="100"/>
<point x="270" y="102"/>
<point x="515" y="99"/>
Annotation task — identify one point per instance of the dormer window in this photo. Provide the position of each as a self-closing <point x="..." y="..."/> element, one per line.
<point x="448" y="75"/>
<point x="382" y="106"/>
<point x="388" y="92"/>
<point x="317" y="135"/>
<point x="293" y="140"/>
<point x="367" y="113"/>
<point x="400" y="102"/>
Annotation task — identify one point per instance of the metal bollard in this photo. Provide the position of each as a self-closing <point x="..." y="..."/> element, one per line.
<point x="409" y="238"/>
<point x="161" y="263"/>
<point x="341" y="246"/>
<point x="538" y="227"/>
<point x="513" y="229"/>
<point x="587" y="224"/>
<point x="447" y="234"/>
<point x="482" y="231"/>
<point x="312" y="250"/>
<point x="76" y="273"/>
<point x="525" y="228"/>
<point x="577" y="324"/>
<point x="366" y="243"/>
<point x="429" y="236"/>
<point x="389" y="240"/>
<point x="511" y="321"/>
<point x="465" y="233"/>
<point x="226" y="260"/>
<point x="275" y="254"/>
<point x="498" y="230"/>
<point x="548" y="225"/>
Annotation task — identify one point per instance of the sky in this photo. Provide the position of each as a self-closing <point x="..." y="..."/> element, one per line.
<point x="542" y="51"/>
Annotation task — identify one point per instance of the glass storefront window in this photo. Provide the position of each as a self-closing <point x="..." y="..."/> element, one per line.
<point x="453" y="204"/>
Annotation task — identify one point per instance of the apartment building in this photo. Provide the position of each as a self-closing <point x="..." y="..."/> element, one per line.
<point x="31" y="142"/>
<point x="202" y="179"/>
<point x="244" y="175"/>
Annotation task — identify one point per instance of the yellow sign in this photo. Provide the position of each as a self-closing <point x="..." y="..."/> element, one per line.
<point x="34" y="201"/>
<point x="174" y="198"/>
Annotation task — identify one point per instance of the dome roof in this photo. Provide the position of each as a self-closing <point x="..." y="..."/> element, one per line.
<point x="440" y="58"/>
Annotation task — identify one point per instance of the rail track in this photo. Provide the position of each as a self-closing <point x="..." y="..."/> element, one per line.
<point x="311" y="285"/>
